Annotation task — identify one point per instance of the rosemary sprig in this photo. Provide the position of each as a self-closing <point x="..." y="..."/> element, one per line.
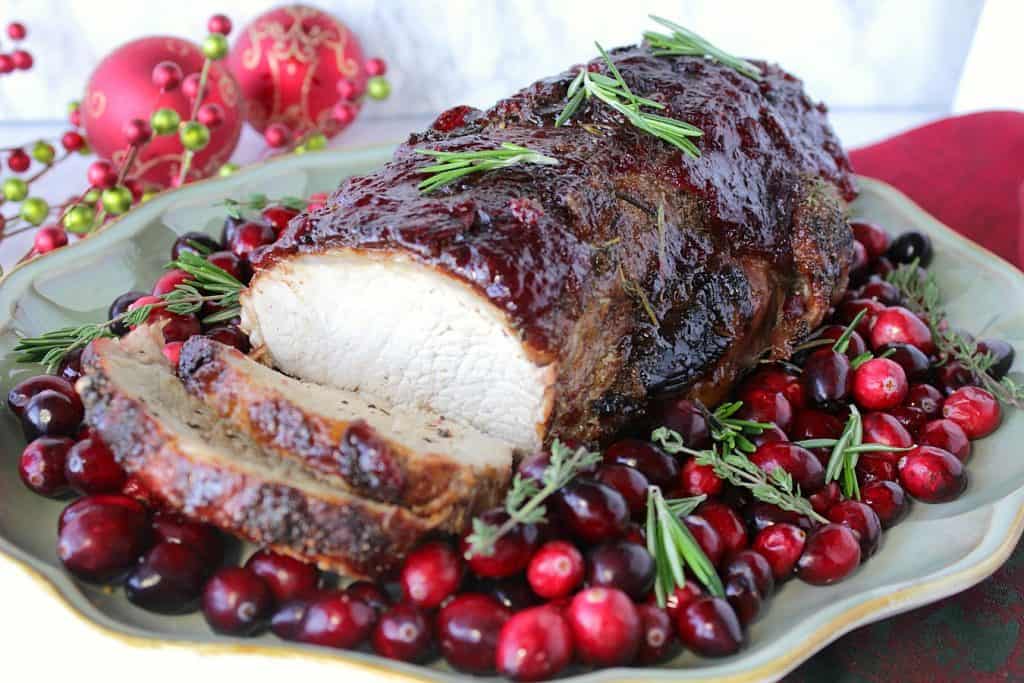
<point x="672" y="546"/>
<point x="922" y="296"/>
<point x="524" y="502"/>
<point x="732" y="432"/>
<point x="259" y="201"/>
<point x="777" y="488"/>
<point x="683" y="41"/>
<point x="613" y="91"/>
<point x="50" y="348"/>
<point x="455" y="165"/>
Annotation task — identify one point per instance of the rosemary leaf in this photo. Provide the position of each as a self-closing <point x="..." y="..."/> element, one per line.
<point x="456" y="165"/>
<point x="683" y="41"/>
<point x="672" y="546"/>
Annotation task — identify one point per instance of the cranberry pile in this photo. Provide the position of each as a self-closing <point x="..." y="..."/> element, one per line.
<point x="576" y="588"/>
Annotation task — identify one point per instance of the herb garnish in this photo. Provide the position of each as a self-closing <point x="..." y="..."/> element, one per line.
<point x="683" y="41"/>
<point x="455" y="165"/>
<point x="613" y="91"/>
<point x="259" y="201"/>
<point x="672" y="545"/>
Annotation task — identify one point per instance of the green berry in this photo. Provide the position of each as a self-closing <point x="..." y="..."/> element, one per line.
<point x="117" y="200"/>
<point x="79" y="219"/>
<point x="194" y="136"/>
<point x="147" y="195"/>
<point x="378" y="88"/>
<point x="91" y="197"/>
<point x="164" y="121"/>
<point x="215" y="46"/>
<point x="15" y="189"/>
<point x="73" y="106"/>
<point x="43" y="152"/>
<point x="35" y="210"/>
<point x="300" y="149"/>
<point x="315" y="142"/>
<point x="227" y="169"/>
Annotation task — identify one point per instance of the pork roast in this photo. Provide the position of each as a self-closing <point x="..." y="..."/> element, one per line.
<point x="536" y="301"/>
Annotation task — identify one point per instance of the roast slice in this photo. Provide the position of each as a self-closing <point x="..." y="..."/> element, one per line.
<point x="201" y="466"/>
<point x="394" y="454"/>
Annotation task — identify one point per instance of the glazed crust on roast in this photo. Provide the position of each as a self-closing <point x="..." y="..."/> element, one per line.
<point x="347" y="454"/>
<point x="335" y="529"/>
<point x="634" y="271"/>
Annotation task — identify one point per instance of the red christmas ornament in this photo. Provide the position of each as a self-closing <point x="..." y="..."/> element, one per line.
<point x="19" y="160"/>
<point x="121" y="89"/>
<point x="72" y="141"/>
<point x="288" y="62"/>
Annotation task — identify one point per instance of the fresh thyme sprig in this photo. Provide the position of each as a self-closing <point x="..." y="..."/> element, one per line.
<point x="922" y="296"/>
<point x="524" y="502"/>
<point x="672" y="546"/>
<point x="455" y="165"/>
<point x="259" y="201"/>
<point x="613" y="91"/>
<point x="732" y="432"/>
<point x="777" y="488"/>
<point x="683" y="41"/>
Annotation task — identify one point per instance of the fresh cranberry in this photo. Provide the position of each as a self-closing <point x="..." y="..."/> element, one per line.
<point x="468" y="628"/>
<point x="513" y="593"/>
<point x="953" y="375"/>
<point x="555" y="570"/>
<point x="86" y="503"/>
<point x="879" y="384"/>
<point x="932" y="475"/>
<point x="914" y="362"/>
<point x="622" y="565"/>
<point x="42" y="465"/>
<point x="176" y="327"/>
<point x="883" y="267"/>
<point x="534" y="645"/>
<point x="237" y="602"/>
<point x="762" y="515"/>
<point x="948" y="436"/>
<point x="974" y="409"/>
<point x="168" y="579"/>
<point x="287" y="577"/>
<point x="770" y="434"/>
<point x="231" y="264"/>
<point x="118" y="307"/>
<point x="887" y="499"/>
<point x="743" y="596"/>
<point x="858" y="264"/>
<point x="230" y="335"/>
<point x="250" y="236"/>
<point x="884" y="429"/>
<point x="169" y="281"/>
<point x="605" y="626"/>
<point x="897" y="324"/>
<point x="699" y="480"/>
<point x="826" y="378"/>
<point x="430" y="574"/>
<point x="709" y="627"/>
<point x="911" y="418"/>
<point x="777" y="379"/>
<point x="51" y="413"/>
<point x="336" y="620"/>
<point x="26" y="389"/>
<point x="630" y="483"/>
<point x="1002" y="355"/>
<point x="911" y="246"/>
<point x="882" y="291"/>
<point x="707" y="538"/>
<point x="533" y="466"/>
<point x="658" y="641"/>
<point x="832" y="553"/>
<point x="635" y="533"/>
<point x="874" y="238"/>
<point x="207" y="540"/>
<point x="194" y="243"/>
<point x="686" y="417"/>
<point x="863" y="520"/>
<point x="591" y="511"/>
<point x="511" y="551"/>
<point x="848" y="310"/>
<point x="753" y="564"/>
<point x="172" y="352"/>
<point x="781" y="545"/>
<point x="855" y="346"/>
<point x="680" y="598"/>
<point x="403" y="633"/>
<point x="101" y="538"/>
<point x="136" y="489"/>
<point x="70" y="367"/>
<point x="278" y="217"/>
<point x="816" y="424"/>
<point x="91" y="468"/>
<point x="824" y="499"/>
<point x="871" y="468"/>
<point x="660" y="468"/>
<point x="765" y="405"/>
<point x="727" y="524"/>
<point x="371" y="594"/>
<point x="287" y="620"/>
<point x="801" y="463"/>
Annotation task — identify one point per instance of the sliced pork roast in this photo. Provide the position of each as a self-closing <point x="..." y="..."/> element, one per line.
<point x="351" y="442"/>
<point x="204" y="467"/>
<point x="536" y="301"/>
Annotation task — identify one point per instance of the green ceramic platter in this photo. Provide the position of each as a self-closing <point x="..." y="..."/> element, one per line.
<point x="938" y="551"/>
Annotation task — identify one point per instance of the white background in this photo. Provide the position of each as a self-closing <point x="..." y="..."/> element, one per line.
<point x="882" y="66"/>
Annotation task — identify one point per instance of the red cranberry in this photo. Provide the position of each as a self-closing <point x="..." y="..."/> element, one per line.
<point x="605" y="627"/>
<point x="511" y="551"/>
<point x="555" y="570"/>
<point x="879" y="384"/>
<point x="91" y="468"/>
<point x="755" y="565"/>
<point x="832" y="553"/>
<point x="699" y="480"/>
<point x="101" y="539"/>
<point x="709" y="627"/>
<point x="250" y="236"/>
<point x="630" y="483"/>
<point x="849" y="310"/>
<point x="772" y="434"/>
<point x="513" y="593"/>
<point x="70" y="367"/>
<point x="198" y="243"/>
<point x="92" y="502"/>
<point x="974" y="409"/>
<point x="781" y="545"/>
<point x="855" y="346"/>
<point x="136" y="489"/>
<point x="205" y="539"/>
<point x="230" y="335"/>
<point x="911" y="246"/>
<point x="591" y="511"/>
<point x="468" y="629"/>
<point x="824" y="499"/>
<point x="926" y="398"/>
<point x="762" y="515"/>
<point x="680" y="598"/>
<point x="622" y="565"/>
<point x="237" y="602"/>
<point x="42" y="465"/>
<point x="914" y="362"/>
<point x="863" y="520"/>
<point x="231" y="264"/>
<point x="658" y="640"/>
<point x="952" y="375"/>
<point x="176" y="327"/>
<point x="883" y="292"/>
<point x="873" y="468"/>
<point x="687" y="418"/>
<point x="287" y="620"/>
<point x="887" y="499"/>
<point x="403" y="633"/>
<point x="801" y="463"/>
<point x="932" y="475"/>
<point x="816" y="424"/>
<point x="169" y="281"/>
<point x="371" y="594"/>
<point x="26" y="389"/>
<point x="911" y="418"/>
<point x="431" y="573"/>
<point x="533" y="466"/>
<point x="534" y="645"/>
<point x="660" y="468"/>
<point x="1002" y="354"/>
<point x="51" y="413"/>
<point x="287" y="577"/>
<point x="874" y="238"/>
<point x="168" y="579"/>
<point x="118" y="307"/>
<point x="897" y="324"/>
<point x="859" y="264"/>
<point x="883" y="267"/>
<point x="884" y="429"/>
<point x="707" y="538"/>
<point x="635" y="534"/>
<point x="727" y="524"/>
<point x="826" y="378"/>
<point x="743" y="596"/>
<point x="278" y="217"/>
<point x="336" y="620"/>
<point x="948" y="436"/>
<point x="765" y="405"/>
<point x="777" y="379"/>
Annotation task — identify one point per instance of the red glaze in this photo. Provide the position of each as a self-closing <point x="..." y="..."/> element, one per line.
<point x="781" y="545"/>
<point x="534" y="645"/>
<point x="698" y="480"/>
<point x="605" y="626"/>
<point x="709" y="627"/>
<point x="832" y="553"/>
<point x="336" y="620"/>
<point x="887" y="499"/>
<point x="20" y="394"/>
<point x="660" y="468"/>
<point x="42" y="465"/>
<point x="897" y="324"/>
<point x="169" y="281"/>
<point x="170" y="527"/>
<point x="765" y="405"/>
<point x="91" y="468"/>
<point x="100" y="540"/>
<point x="974" y="409"/>
<point x="168" y="579"/>
<point x="826" y="378"/>
<point x="512" y="550"/>
<point x="287" y="577"/>
<point x="468" y="627"/>
<point x="801" y="463"/>
<point x="630" y="483"/>
<point x="863" y="520"/>
<point x="658" y="640"/>
<point x="926" y="398"/>
<point x="882" y="428"/>
<point x="430" y="574"/>
<point x="403" y="633"/>
<point x="622" y="565"/>
<point x="948" y="436"/>
<point x="591" y="511"/>
<point x="932" y="475"/>
<point x="729" y="526"/>
<point x="237" y="602"/>
<point x="707" y="538"/>
<point x="879" y="384"/>
<point x="874" y="238"/>
<point x="555" y="570"/>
